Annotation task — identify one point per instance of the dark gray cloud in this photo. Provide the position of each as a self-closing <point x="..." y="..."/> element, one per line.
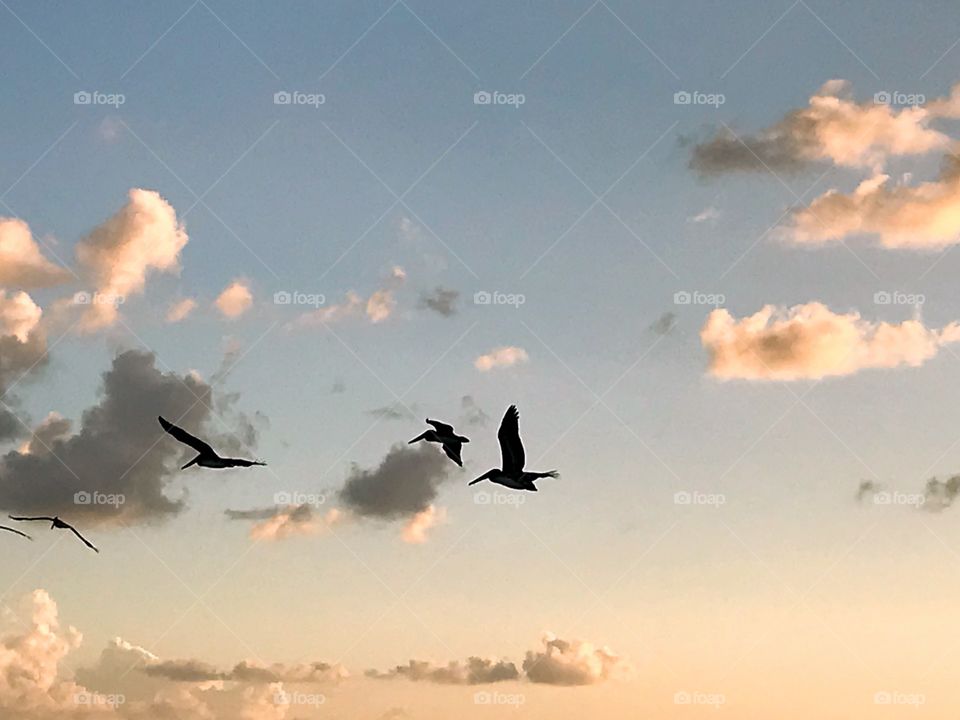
<point x="867" y="489"/>
<point x="939" y="495"/>
<point x="786" y="147"/>
<point x="441" y="300"/>
<point x="475" y="671"/>
<point x="119" y="449"/>
<point x="473" y="415"/>
<point x="19" y="362"/>
<point x="664" y="324"/>
<point x="397" y="411"/>
<point x="405" y="483"/>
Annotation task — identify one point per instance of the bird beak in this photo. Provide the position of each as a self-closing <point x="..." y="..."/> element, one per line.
<point x="474" y="482"/>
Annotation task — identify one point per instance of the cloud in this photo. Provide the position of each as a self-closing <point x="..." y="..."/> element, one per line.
<point x="473" y="671"/>
<point x="23" y="355"/>
<point x="573" y="662"/>
<point x="404" y="484"/>
<point x="708" y="214"/>
<point x="868" y="489"/>
<point x="377" y="308"/>
<point x="21" y="263"/>
<point x="247" y="671"/>
<point x="416" y="530"/>
<point x="53" y="428"/>
<point x="397" y="411"/>
<point x="664" y="324"/>
<point x="441" y="301"/>
<point x="338" y="388"/>
<point x="501" y="357"/>
<point x="19" y="315"/>
<point x="235" y="300"/>
<point x="833" y="127"/>
<point x="180" y="310"/>
<point x="922" y="217"/>
<point x="473" y="414"/>
<point x="811" y="341"/>
<point x="118" y="255"/>
<point x="382" y="303"/>
<point x="283" y="521"/>
<point x="118" y="450"/>
<point x="939" y="495"/>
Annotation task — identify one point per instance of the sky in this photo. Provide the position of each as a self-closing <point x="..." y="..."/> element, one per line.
<point x="706" y="249"/>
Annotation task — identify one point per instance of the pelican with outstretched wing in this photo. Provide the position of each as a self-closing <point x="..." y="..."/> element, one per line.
<point x="207" y="456"/>
<point x="444" y="435"/>
<point x="511" y="473"/>
<point x="57" y="524"/>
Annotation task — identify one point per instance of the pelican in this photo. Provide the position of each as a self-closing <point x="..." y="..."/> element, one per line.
<point x="444" y="434"/>
<point x="207" y="457"/>
<point x="15" y="532"/>
<point x="57" y="523"/>
<point x="512" y="475"/>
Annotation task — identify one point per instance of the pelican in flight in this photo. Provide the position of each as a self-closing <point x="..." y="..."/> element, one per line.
<point x="15" y="532"/>
<point x="207" y="457"/>
<point x="57" y="523"/>
<point x="512" y="474"/>
<point x="444" y="434"/>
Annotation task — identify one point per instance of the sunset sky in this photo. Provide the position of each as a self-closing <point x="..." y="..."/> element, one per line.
<point x="708" y="250"/>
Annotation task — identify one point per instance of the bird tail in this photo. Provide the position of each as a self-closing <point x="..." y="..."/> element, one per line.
<point x="549" y="474"/>
<point x="192" y="462"/>
<point x="418" y="438"/>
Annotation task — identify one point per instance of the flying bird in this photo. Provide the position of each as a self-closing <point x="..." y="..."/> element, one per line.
<point x="207" y="456"/>
<point x="57" y="523"/>
<point x="15" y="532"/>
<point x="511" y="473"/>
<point x="444" y="434"/>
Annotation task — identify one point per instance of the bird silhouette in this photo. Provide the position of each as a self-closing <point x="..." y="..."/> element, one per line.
<point x="15" y="532"/>
<point x="444" y="434"/>
<point x="511" y="473"/>
<point x="57" y="523"/>
<point x="207" y="457"/>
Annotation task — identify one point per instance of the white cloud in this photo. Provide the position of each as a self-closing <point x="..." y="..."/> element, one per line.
<point x="416" y="530"/>
<point x="235" y="300"/>
<point x="180" y="310"/>
<point x="501" y="357"/>
<point x="19" y="315"/>
<point x="21" y="262"/>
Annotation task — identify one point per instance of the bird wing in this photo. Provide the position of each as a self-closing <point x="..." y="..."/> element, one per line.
<point x="511" y="449"/>
<point x="452" y="449"/>
<point x="440" y="427"/>
<point x="82" y="538"/>
<point x="186" y="438"/>
<point x="15" y="532"/>
<point x="41" y="517"/>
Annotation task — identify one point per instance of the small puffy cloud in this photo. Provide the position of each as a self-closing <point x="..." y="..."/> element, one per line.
<point x="664" y="324"/>
<point x="382" y="303"/>
<point x="181" y="310"/>
<point x="118" y="255"/>
<point x="235" y="300"/>
<point x="940" y="494"/>
<point x="378" y="307"/>
<point x="811" y="342"/>
<point x="473" y="414"/>
<point x="572" y="662"/>
<point x="708" y="214"/>
<point x="501" y="357"/>
<point x="284" y="521"/>
<point x="21" y="262"/>
<point x="442" y="301"/>
<point x="19" y="315"/>
<point x="396" y="411"/>
<point x="473" y="671"/>
<point x="868" y="489"/>
<point x="833" y="127"/>
<point x="416" y="530"/>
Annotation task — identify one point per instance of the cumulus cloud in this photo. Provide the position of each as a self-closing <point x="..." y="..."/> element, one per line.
<point x="118" y="255"/>
<point x="376" y="308"/>
<point x="833" y="127"/>
<point x="19" y="315"/>
<point x="118" y="450"/>
<point x="247" y="671"/>
<point x="235" y="299"/>
<point x="441" y="300"/>
<point x="473" y="671"/>
<point x="181" y="310"/>
<point x="811" y="341"/>
<point x="283" y="521"/>
<point x="501" y="357"/>
<point x="572" y="662"/>
<point x="23" y="355"/>
<point x="417" y="528"/>
<point x="21" y="262"/>
<point x="54" y="427"/>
